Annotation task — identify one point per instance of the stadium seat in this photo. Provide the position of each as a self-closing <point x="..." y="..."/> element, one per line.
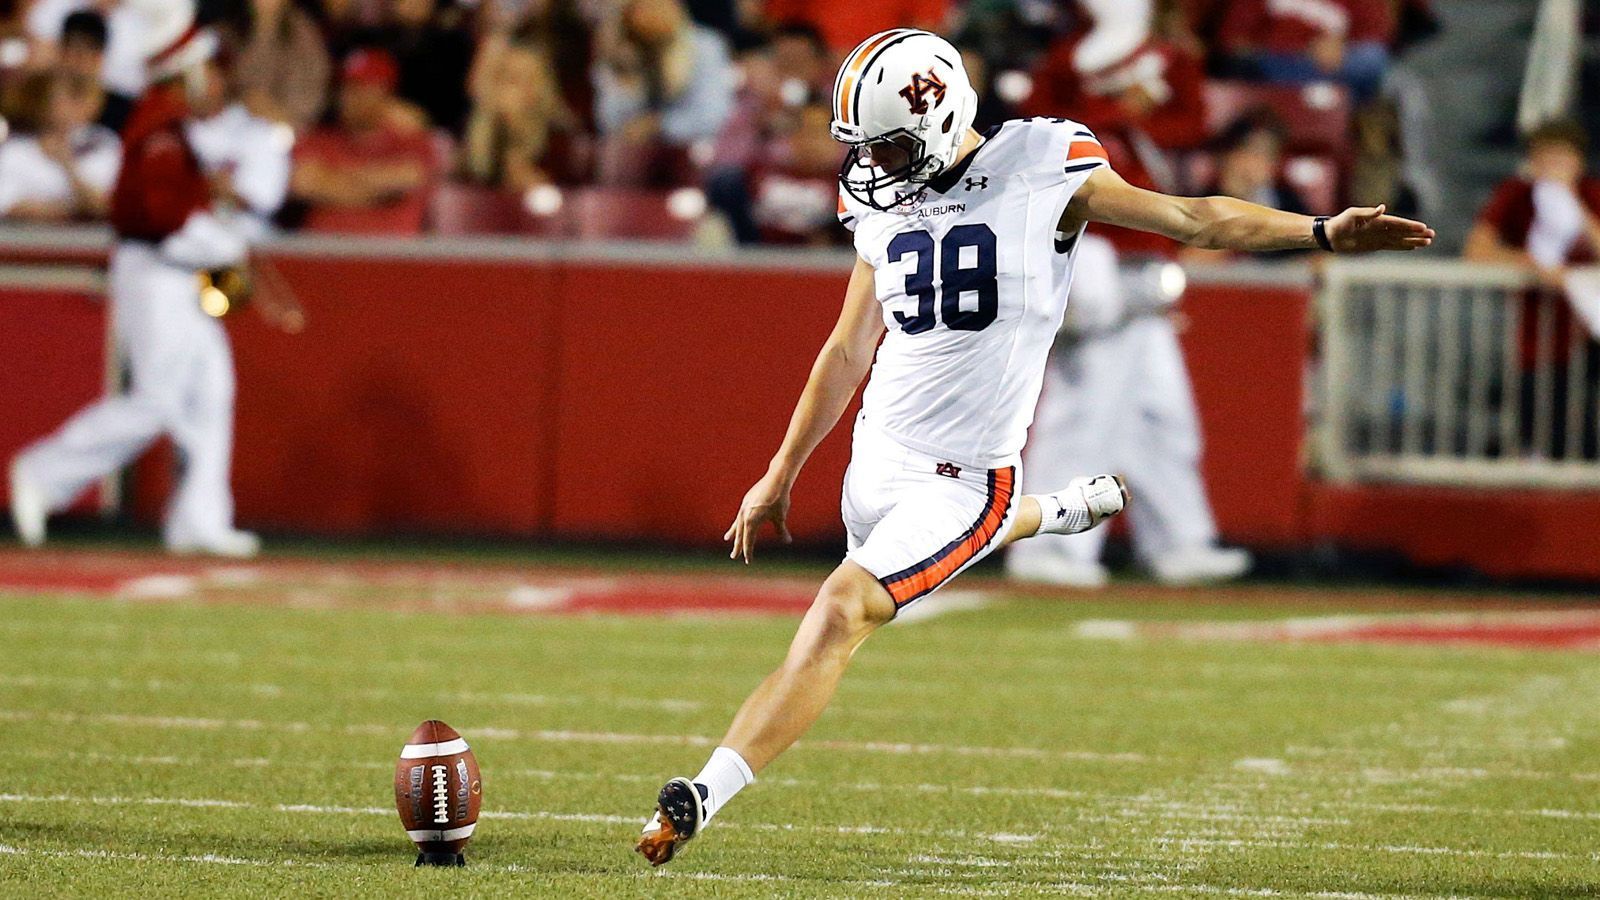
<point x="619" y="214"/>
<point x="463" y="209"/>
<point x="1317" y="115"/>
<point x="1317" y="180"/>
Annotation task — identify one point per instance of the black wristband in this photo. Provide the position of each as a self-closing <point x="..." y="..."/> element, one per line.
<point x="1319" y="230"/>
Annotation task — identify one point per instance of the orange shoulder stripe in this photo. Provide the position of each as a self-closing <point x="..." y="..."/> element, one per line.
<point x="1082" y="149"/>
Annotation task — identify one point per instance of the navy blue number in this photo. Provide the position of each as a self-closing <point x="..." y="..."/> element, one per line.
<point x="979" y="278"/>
<point x="919" y="283"/>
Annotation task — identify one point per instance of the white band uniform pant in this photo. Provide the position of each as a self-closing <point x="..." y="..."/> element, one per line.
<point x="181" y="385"/>
<point x="1121" y="402"/>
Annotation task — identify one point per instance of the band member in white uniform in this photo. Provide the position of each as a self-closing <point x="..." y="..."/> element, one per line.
<point x="180" y="365"/>
<point x="247" y="157"/>
<point x="1117" y="397"/>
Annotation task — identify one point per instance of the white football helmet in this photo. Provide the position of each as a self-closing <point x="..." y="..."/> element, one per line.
<point x="903" y="102"/>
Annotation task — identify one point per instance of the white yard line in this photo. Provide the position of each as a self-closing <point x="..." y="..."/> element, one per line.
<point x="1122" y="807"/>
<point x="1112" y="887"/>
<point x="220" y="860"/>
<point x="553" y="736"/>
<point x="1181" y="843"/>
<point x="517" y="815"/>
<point x="91" y="685"/>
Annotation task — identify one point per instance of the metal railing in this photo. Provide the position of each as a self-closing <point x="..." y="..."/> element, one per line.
<point x="1452" y="373"/>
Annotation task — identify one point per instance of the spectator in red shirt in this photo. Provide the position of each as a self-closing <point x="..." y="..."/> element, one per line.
<point x="1545" y="219"/>
<point x="369" y="173"/>
<point x="1301" y="41"/>
<point x="1151" y="85"/>
<point x="846" y="23"/>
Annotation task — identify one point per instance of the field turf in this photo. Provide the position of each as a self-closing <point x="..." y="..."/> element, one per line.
<point x="205" y="730"/>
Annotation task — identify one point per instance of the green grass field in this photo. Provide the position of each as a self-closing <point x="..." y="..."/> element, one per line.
<point x="209" y="739"/>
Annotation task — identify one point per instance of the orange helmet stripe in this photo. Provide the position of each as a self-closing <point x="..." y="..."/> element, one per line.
<point x="850" y="72"/>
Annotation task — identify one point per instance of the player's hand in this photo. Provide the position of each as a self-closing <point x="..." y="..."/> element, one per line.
<point x="768" y="501"/>
<point x="1364" y="229"/>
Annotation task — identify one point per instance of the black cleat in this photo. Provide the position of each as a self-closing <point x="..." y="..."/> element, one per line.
<point x="680" y="811"/>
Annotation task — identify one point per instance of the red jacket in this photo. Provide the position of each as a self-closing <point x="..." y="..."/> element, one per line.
<point x="161" y="183"/>
<point x="1509" y="211"/>
<point x="1178" y="124"/>
<point x="1290" y="26"/>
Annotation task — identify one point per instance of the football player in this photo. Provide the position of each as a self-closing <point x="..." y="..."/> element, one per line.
<point x="965" y="246"/>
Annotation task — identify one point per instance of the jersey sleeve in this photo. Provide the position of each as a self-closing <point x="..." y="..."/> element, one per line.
<point x="1083" y="152"/>
<point x="1061" y="154"/>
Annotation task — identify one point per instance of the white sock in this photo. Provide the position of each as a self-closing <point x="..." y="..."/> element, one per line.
<point x="726" y="773"/>
<point x="1063" y="512"/>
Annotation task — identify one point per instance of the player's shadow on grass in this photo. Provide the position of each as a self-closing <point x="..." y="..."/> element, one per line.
<point x="20" y="829"/>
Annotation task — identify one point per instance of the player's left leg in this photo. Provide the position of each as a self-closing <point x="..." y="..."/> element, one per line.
<point x="849" y="607"/>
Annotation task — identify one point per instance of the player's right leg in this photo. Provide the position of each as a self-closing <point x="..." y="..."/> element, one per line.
<point x="1083" y="504"/>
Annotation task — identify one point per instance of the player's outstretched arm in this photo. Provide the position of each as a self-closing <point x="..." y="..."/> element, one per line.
<point x="843" y="362"/>
<point x="1225" y="223"/>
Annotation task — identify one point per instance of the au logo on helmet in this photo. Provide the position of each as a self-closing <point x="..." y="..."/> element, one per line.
<point x="916" y="93"/>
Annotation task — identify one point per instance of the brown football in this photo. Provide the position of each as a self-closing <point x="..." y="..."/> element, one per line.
<point x="437" y="791"/>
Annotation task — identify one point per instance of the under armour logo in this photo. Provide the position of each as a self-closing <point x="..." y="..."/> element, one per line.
<point x="916" y="93"/>
<point x="981" y="183"/>
<point x="948" y="470"/>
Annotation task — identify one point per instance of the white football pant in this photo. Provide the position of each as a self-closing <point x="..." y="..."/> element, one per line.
<point x="182" y="385"/>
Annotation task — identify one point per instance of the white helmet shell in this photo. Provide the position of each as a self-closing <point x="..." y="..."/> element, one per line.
<point x="907" y="86"/>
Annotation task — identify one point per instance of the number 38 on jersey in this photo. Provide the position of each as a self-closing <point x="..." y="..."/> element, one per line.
<point x="965" y="261"/>
<point x="979" y="248"/>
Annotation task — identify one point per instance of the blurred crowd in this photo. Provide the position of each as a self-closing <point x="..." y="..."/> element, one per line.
<point x="385" y="112"/>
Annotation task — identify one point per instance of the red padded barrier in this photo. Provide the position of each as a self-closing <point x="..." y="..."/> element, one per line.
<point x="420" y="397"/>
<point x="55" y="345"/>
<point x="1246" y="350"/>
<point x="634" y="400"/>
<point x="677" y="385"/>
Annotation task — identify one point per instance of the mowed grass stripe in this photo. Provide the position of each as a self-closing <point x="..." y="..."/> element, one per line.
<point x="1182" y="821"/>
<point x="1299" y="809"/>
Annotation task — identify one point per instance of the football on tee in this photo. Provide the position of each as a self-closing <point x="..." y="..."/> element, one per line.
<point x="437" y="790"/>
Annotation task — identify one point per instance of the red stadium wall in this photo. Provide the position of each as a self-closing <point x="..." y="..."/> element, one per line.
<point x="577" y="397"/>
<point x="54" y="340"/>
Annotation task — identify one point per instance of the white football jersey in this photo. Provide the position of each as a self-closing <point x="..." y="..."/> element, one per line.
<point x="973" y="282"/>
